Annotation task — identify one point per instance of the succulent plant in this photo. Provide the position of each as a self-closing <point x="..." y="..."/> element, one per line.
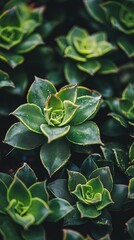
<point x="53" y="119"/>
<point x="118" y="15"/>
<point x="25" y="204"/>
<point x="85" y="54"/>
<point x="123" y="109"/>
<point x="18" y="23"/>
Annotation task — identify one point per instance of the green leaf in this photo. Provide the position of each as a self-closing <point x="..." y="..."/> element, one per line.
<point x="119" y="197"/>
<point x="73" y="218"/>
<point x="85" y="134"/>
<point x="39" y="209"/>
<point x="29" y="44"/>
<point x="130" y="171"/>
<point x="88" y="106"/>
<point x="7" y="179"/>
<point x="75" y="178"/>
<point x="68" y="92"/>
<point x="131" y="151"/>
<point x="39" y="91"/>
<point x="34" y="233"/>
<point x="128" y="93"/>
<point x="106" y="200"/>
<point x="54" y="102"/>
<point x="69" y="234"/>
<point x="89" y="67"/>
<point x="89" y="165"/>
<point x="107" y="66"/>
<point x="31" y="116"/>
<point x="10" y="17"/>
<point x="70" y="109"/>
<point x="3" y="197"/>
<point x="54" y="155"/>
<point x="19" y="136"/>
<point x="88" y="211"/>
<point x="39" y="190"/>
<point x="12" y="59"/>
<point x="96" y="185"/>
<point x="120" y="119"/>
<point x="8" y="228"/>
<point x="105" y="177"/>
<point x="19" y="192"/>
<point x="62" y="43"/>
<point x="93" y="8"/>
<point x="26" y="175"/>
<point x="126" y="45"/>
<point x="5" y="80"/>
<point x="53" y="133"/>
<point x="24" y="220"/>
<point x="10" y="37"/>
<point x="131" y="189"/>
<point x="60" y="208"/>
<point x="72" y="74"/>
<point x="130" y="227"/>
<point x="71" y="53"/>
<point x="76" y="32"/>
<point x="122" y="159"/>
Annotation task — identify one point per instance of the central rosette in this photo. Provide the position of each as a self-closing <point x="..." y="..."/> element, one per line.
<point x="59" y="111"/>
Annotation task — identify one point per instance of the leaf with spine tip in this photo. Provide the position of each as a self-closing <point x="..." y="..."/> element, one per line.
<point x="70" y="109"/>
<point x="88" y="211"/>
<point x="60" y="208"/>
<point x="68" y="92"/>
<point x="12" y="59"/>
<point x="75" y="178"/>
<point x="21" y="137"/>
<point x="53" y="133"/>
<point x="85" y="134"/>
<point x="89" y="67"/>
<point x="5" y="80"/>
<point x="55" y="155"/>
<point x="39" y="91"/>
<point x="88" y="106"/>
<point x="71" y="53"/>
<point x="69" y="234"/>
<point x="76" y="32"/>
<point x="31" y="116"/>
<point x="29" y="44"/>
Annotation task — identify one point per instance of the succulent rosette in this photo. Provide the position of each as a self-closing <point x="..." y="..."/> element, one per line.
<point x="120" y="14"/>
<point x="54" y="119"/>
<point x="25" y="204"/>
<point x="123" y="109"/>
<point x="85" y="53"/>
<point x="92" y="198"/>
<point x="18" y="24"/>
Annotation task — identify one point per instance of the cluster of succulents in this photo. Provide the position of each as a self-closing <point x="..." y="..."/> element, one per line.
<point x="67" y="162"/>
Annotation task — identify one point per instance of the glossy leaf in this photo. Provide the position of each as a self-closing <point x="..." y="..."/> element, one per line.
<point x="88" y="211"/>
<point x="54" y="155"/>
<point x="30" y="43"/>
<point x="12" y="59"/>
<point x="3" y="194"/>
<point x="53" y="133"/>
<point x="89" y="67"/>
<point x="18" y="191"/>
<point x="59" y="188"/>
<point x="34" y="233"/>
<point x="69" y="234"/>
<point x="105" y="177"/>
<point x="39" y="91"/>
<point x="131" y="189"/>
<point x="68" y="93"/>
<point x="39" y="209"/>
<point x="5" y="80"/>
<point x="75" y="178"/>
<point x="72" y="74"/>
<point x="84" y="134"/>
<point x="26" y="175"/>
<point x="88" y="106"/>
<point x="60" y="208"/>
<point x="38" y="190"/>
<point x="31" y="116"/>
<point x="21" y="137"/>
